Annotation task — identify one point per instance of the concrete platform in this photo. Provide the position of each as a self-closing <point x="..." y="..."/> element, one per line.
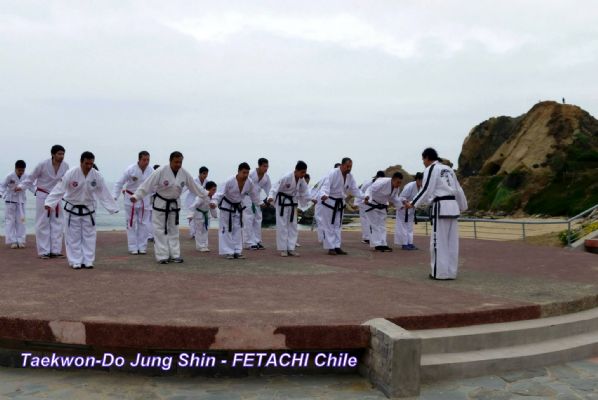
<point x="314" y="301"/>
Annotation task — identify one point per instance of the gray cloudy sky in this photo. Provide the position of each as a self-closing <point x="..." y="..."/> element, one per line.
<point x="231" y="81"/>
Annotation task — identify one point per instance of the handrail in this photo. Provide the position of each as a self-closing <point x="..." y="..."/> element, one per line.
<point x="504" y="221"/>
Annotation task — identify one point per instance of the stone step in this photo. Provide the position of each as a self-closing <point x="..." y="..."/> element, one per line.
<point x="435" y="367"/>
<point x="518" y="333"/>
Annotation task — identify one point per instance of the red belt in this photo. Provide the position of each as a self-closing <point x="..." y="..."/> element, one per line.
<point x="133" y="208"/>
<point x="38" y="189"/>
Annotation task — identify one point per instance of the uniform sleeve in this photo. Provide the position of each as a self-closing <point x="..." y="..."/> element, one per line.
<point x="31" y="178"/>
<point x="146" y="187"/>
<point x="3" y="187"/>
<point x="325" y="189"/>
<point x="219" y="193"/>
<point x="303" y="194"/>
<point x="105" y="197"/>
<point x="196" y="189"/>
<point x="460" y="196"/>
<point x="268" y="186"/>
<point x="428" y="187"/>
<point x="58" y="192"/>
<point x="354" y="190"/>
<point x="254" y="194"/>
<point x="118" y="186"/>
<point x="274" y="190"/>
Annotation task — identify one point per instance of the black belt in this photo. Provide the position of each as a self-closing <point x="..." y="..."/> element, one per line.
<point x="338" y="207"/>
<point x="234" y="207"/>
<point x="81" y="211"/>
<point x="11" y="202"/>
<point x="440" y="198"/>
<point x="167" y="210"/>
<point x="282" y="203"/>
<point x="376" y="206"/>
<point x="436" y="206"/>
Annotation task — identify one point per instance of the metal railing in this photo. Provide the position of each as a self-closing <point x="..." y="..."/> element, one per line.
<point x="505" y="229"/>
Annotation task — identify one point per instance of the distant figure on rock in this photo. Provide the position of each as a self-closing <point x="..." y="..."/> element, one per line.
<point x="563" y="100"/>
<point x="443" y="193"/>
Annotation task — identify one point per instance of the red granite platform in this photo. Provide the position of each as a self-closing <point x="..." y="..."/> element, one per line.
<point x="268" y="302"/>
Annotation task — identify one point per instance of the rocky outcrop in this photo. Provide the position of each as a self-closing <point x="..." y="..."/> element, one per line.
<point x="542" y="162"/>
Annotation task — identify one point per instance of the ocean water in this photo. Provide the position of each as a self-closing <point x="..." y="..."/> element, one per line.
<point x="103" y="219"/>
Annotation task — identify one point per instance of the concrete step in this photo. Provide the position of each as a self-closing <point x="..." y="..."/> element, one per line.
<point x="440" y="366"/>
<point x="509" y="334"/>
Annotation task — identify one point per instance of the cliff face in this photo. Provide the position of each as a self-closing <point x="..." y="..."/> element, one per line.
<point x="542" y="162"/>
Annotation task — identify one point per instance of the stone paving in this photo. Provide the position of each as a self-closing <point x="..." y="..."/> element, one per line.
<point x="571" y="381"/>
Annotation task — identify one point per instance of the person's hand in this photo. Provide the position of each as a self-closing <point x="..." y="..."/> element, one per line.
<point x="18" y="189"/>
<point x="408" y="205"/>
<point x="366" y="200"/>
<point x="324" y="198"/>
<point x="133" y="199"/>
<point x="212" y="206"/>
<point x="48" y="208"/>
<point x="270" y="200"/>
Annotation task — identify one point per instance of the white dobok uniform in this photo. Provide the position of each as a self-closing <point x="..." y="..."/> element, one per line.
<point x="80" y="194"/>
<point x="200" y="220"/>
<point x="188" y="200"/>
<point x="337" y="188"/>
<point x="315" y="196"/>
<point x="137" y="215"/>
<point x="442" y="192"/>
<point x="252" y="216"/>
<point x="167" y="188"/>
<point x="363" y="218"/>
<point x="288" y="193"/>
<point x="14" y="213"/>
<point x="405" y="217"/>
<point x="229" y="200"/>
<point x="49" y="225"/>
<point x="380" y="194"/>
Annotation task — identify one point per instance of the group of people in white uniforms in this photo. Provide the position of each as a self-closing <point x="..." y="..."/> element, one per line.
<point x="157" y="192"/>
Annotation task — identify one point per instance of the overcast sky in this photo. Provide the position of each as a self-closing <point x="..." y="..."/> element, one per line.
<point x="231" y="81"/>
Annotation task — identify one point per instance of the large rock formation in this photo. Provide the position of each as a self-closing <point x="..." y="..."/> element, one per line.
<point x="542" y="162"/>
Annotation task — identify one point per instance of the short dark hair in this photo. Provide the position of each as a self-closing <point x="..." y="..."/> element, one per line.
<point x="156" y="166"/>
<point x="419" y="176"/>
<point x="87" y="155"/>
<point x="20" y="164"/>
<point x="301" y="166"/>
<point x="175" y="154"/>
<point x="56" y="148"/>
<point x="262" y="161"/>
<point x="210" y="184"/>
<point x="380" y="174"/>
<point x="336" y="165"/>
<point x="142" y="153"/>
<point x="397" y="175"/>
<point x="203" y="169"/>
<point x="346" y="160"/>
<point x="244" y="166"/>
<point x="430" y="154"/>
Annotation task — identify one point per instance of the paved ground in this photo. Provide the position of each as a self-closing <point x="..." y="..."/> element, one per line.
<point x="575" y="380"/>
<point x="269" y="295"/>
